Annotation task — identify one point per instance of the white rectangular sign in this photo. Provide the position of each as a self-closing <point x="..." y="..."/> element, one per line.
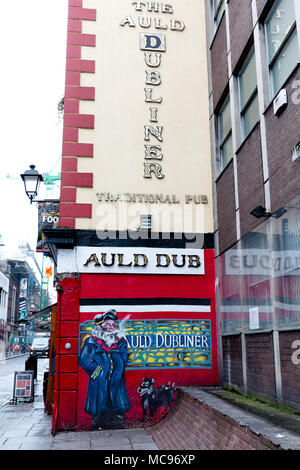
<point x="254" y="318"/>
<point x="130" y="260"/>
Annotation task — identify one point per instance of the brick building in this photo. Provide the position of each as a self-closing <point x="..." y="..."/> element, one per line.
<point x="253" y="53"/>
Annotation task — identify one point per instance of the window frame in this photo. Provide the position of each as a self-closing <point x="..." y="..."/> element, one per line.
<point x="270" y="63"/>
<point x="225" y="138"/>
<point x="251" y="98"/>
<point x="216" y="11"/>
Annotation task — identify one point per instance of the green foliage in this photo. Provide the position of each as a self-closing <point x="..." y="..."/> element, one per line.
<point x="258" y="399"/>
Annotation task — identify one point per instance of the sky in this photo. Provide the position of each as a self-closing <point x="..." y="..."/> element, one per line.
<point x="33" y="54"/>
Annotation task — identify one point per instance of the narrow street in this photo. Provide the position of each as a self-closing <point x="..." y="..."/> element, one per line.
<point x="7" y="371"/>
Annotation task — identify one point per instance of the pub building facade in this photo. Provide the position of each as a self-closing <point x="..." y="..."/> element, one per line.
<point x="134" y="251"/>
<point x="254" y="78"/>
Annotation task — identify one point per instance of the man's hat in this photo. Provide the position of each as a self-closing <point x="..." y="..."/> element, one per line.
<point x="109" y="315"/>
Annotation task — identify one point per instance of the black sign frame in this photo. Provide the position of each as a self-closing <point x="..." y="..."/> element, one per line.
<point x="21" y="390"/>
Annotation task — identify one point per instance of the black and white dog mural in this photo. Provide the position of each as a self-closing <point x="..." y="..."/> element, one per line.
<point x="153" y="398"/>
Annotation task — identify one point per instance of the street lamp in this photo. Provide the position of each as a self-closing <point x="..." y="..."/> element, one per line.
<point x="32" y="180"/>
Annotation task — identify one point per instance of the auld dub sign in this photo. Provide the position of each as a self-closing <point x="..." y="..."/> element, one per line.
<point x="129" y="260"/>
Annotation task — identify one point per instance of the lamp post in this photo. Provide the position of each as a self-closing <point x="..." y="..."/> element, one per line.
<point x="32" y="180"/>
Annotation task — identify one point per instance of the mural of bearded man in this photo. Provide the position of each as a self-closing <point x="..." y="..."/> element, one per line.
<point x="103" y="357"/>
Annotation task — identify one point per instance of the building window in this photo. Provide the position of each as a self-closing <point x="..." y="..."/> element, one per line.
<point x="249" y="110"/>
<point x="253" y="296"/>
<point x="218" y="10"/>
<point x="282" y="43"/>
<point x="224" y="135"/>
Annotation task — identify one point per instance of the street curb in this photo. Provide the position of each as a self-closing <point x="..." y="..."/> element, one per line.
<point x="2" y="405"/>
<point x="14" y="357"/>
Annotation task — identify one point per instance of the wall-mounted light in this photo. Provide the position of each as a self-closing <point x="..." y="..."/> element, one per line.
<point x="279" y="213"/>
<point x="260" y="212"/>
<point x="32" y="180"/>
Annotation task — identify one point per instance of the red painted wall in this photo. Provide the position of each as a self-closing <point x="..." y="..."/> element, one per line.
<point x="71" y="381"/>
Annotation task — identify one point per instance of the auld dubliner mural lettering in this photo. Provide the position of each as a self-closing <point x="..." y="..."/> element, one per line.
<point x="163" y="344"/>
<point x="153" y="44"/>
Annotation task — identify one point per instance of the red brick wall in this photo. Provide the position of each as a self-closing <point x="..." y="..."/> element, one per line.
<point x="219" y="66"/>
<point x="250" y="180"/>
<point x="194" y="425"/>
<point x="260" y="364"/>
<point x="232" y="360"/>
<point x="240" y="24"/>
<point x="226" y="209"/>
<point x="290" y="370"/>
<point x="284" y="174"/>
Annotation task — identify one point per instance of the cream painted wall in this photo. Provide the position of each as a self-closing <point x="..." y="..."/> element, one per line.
<point x="121" y="113"/>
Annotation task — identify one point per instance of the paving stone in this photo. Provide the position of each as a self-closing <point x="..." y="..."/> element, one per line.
<point x="113" y="434"/>
<point x="102" y="434"/>
<point x="39" y="432"/>
<point x="16" y="432"/>
<point x="136" y="431"/>
<point x="145" y="446"/>
<point x="111" y="447"/>
<point x="110" y="441"/>
<point x="140" y="438"/>
<point x="8" y="427"/>
<point x="70" y="445"/>
<point x="41" y="426"/>
<point x="11" y="444"/>
<point x="10" y="418"/>
<point x="36" y="444"/>
<point x="72" y="436"/>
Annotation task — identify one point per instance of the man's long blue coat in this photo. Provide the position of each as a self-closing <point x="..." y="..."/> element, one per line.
<point x="110" y="382"/>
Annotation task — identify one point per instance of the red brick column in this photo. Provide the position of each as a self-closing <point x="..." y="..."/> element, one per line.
<point x="66" y="355"/>
<point x="72" y="149"/>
